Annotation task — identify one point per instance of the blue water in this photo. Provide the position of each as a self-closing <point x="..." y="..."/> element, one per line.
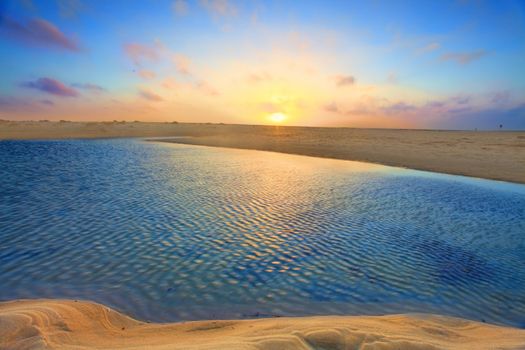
<point x="168" y="232"/>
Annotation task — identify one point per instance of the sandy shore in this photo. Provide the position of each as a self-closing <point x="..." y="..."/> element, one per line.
<point x="492" y="155"/>
<point x="67" y="324"/>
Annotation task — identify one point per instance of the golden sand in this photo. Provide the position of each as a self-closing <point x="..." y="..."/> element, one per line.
<point x="67" y="324"/>
<point x="493" y="155"/>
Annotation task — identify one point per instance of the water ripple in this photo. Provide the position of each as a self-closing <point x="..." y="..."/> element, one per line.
<point x="170" y="232"/>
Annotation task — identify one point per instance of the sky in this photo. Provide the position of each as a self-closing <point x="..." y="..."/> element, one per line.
<point x="384" y="64"/>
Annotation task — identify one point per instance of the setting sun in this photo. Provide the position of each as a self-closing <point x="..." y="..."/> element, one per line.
<point x="277" y="117"/>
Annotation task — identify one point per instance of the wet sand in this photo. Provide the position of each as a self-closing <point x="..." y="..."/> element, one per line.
<point x="493" y="155"/>
<point x="67" y="324"/>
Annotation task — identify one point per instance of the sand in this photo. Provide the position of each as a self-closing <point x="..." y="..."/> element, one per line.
<point x="67" y="324"/>
<point x="493" y="155"/>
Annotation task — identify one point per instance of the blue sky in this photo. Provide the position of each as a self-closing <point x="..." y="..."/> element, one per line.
<point x="415" y="64"/>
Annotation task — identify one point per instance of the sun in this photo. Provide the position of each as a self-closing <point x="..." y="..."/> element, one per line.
<point x="277" y="117"/>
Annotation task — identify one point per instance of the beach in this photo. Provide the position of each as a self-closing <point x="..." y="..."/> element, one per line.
<point x="498" y="155"/>
<point x="72" y="324"/>
<point x="69" y="324"/>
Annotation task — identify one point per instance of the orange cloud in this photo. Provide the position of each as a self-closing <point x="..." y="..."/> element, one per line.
<point x="344" y="80"/>
<point x="151" y="96"/>
<point x="146" y="74"/>
<point x="182" y="63"/>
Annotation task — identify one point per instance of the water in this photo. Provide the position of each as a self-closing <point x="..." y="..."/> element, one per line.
<point x="169" y="232"/>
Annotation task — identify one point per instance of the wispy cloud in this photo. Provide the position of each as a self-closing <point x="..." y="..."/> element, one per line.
<point x="150" y="96"/>
<point x="47" y="102"/>
<point x="180" y="7"/>
<point x="429" y="48"/>
<point x="70" y="8"/>
<point x="51" y="86"/>
<point x="463" y="57"/>
<point x="146" y="74"/>
<point x="139" y="53"/>
<point x="255" y="78"/>
<point x="206" y="88"/>
<point x="10" y="103"/>
<point x="89" y="87"/>
<point x="182" y="63"/>
<point x="332" y="107"/>
<point x="37" y="32"/>
<point x="500" y="97"/>
<point x="392" y="78"/>
<point x="344" y="80"/>
<point x="219" y="7"/>
<point x="170" y="84"/>
<point x="13" y="105"/>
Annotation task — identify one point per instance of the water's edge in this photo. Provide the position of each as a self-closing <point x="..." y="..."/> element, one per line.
<point x="187" y="140"/>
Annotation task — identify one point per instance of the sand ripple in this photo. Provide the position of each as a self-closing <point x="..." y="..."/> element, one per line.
<point x="56" y="324"/>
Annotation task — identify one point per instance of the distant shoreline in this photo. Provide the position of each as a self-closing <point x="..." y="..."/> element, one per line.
<point x="495" y="155"/>
<point x="64" y="324"/>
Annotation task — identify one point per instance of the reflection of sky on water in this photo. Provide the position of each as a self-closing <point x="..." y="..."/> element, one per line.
<point x="170" y="232"/>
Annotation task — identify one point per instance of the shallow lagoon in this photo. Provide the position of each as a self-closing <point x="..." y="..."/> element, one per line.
<point x="169" y="232"/>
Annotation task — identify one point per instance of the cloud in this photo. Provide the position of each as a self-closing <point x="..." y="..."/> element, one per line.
<point x="51" y="86"/>
<point x="47" y="102"/>
<point x="16" y="104"/>
<point x="170" y="84"/>
<point x="344" y="80"/>
<point x="89" y="87"/>
<point x="429" y="48"/>
<point x="151" y="96"/>
<point x="332" y="107"/>
<point x="70" y="8"/>
<point x="206" y="88"/>
<point x="182" y="63"/>
<point x="488" y="119"/>
<point x="255" y="78"/>
<point x="146" y="74"/>
<point x="38" y="32"/>
<point x="460" y="100"/>
<point x="392" y="78"/>
<point x="500" y="97"/>
<point x="28" y="4"/>
<point x="463" y="57"/>
<point x="139" y="53"/>
<point x="180" y="7"/>
<point x="219" y="7"/>
<point x="398" y="108"/>
<point x="9" y="103"/>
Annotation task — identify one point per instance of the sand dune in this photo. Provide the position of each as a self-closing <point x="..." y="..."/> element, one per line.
<point x="492" y="155"/>
<point x="67" y="324"/>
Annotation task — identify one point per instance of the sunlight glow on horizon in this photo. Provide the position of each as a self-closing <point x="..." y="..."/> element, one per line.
<point x="277" y="118"/>
<point x="398" y="65"/>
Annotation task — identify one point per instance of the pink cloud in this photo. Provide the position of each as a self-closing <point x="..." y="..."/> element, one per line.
<point x="344" y="80"/>
<point x="259" y="77"/>
<point x="332" y="107"/>
<point x="151" y="96"/>
<point x="182" y="63"/>
<point x="463" y="57"/>
<point x="180" y="7"/>
<point x="51" y="86"/>
<point x="206" y="88"/>
<point x="429" y="48"/>
<point x="37" y="32"/>
<point x="139" y="53"/>
<point x="89" y="87"/>
<point x="170" y="84"/>
<point x="146" y="74"/>
<point x="219" y="7"/>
